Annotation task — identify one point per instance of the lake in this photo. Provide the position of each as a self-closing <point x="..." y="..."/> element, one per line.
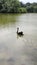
<point x="16" y="50"/>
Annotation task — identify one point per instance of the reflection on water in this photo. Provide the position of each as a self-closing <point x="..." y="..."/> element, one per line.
<point x="16" y="50"/>
<point x="7" y="19"/>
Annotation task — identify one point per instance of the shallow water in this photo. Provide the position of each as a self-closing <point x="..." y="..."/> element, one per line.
<point x="16" y="50"/>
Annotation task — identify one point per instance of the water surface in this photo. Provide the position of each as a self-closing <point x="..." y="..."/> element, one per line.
<point x="16" y="50"/>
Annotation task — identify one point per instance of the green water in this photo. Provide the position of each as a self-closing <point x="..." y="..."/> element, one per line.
<point x="7" y="18"/>
<point x="16" y="50"/>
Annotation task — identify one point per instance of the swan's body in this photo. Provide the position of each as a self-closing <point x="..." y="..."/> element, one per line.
<point x="19" y="33"/>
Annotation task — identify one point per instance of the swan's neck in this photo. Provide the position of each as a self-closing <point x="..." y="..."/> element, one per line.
<point x="17" y="31"/>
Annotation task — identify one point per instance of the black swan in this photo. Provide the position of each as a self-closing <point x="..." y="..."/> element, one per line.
<point x="19" y="33"/>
